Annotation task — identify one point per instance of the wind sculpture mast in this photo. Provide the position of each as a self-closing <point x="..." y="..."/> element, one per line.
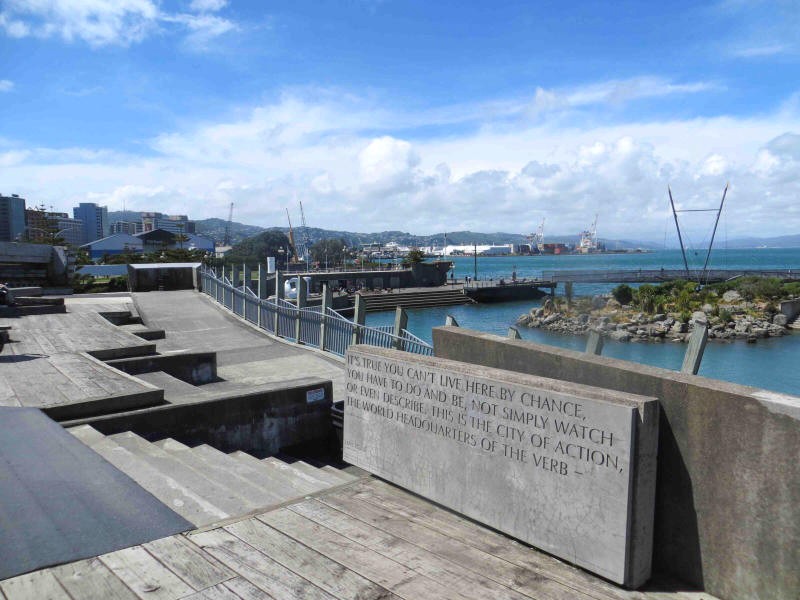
<point x="713" y="233"/>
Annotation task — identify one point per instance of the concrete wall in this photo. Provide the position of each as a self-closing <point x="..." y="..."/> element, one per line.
<point x="171" y="278"/>
<point x="790" y="308"/>
<point x="197" y="368"/>
<point x="260" y="423"/>
<point x="728" y="486"/>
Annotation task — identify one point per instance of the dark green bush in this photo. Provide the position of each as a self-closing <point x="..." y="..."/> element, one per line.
<point x="623" y="293"/>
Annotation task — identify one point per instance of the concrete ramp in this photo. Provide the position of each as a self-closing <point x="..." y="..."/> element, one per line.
<point x="61" y="502"/>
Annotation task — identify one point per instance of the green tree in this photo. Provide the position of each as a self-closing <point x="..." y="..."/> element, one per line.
<point x="414" y="256"/>
<point x="623" y="293"/>
<point x="257" y="248"/>
<point x="646" y="297"/>
<point x="330" y="251"/>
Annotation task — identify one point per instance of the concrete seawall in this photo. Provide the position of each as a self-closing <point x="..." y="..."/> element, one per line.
<point x="728" y="487"/>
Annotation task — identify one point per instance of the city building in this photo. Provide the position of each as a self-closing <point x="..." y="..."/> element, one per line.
<point x="49" y="227"/>
<point x="129" y="227"/>
<point x="12" y="217"/>
<point x="95" y="221"/>
<point x="174" y="223"/>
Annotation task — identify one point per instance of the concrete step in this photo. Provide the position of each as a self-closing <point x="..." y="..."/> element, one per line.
<point x="308" y="478"/>
<point x="318" y="474"/>
<point x="277" y="486"/>
<point x="176" y="391"/>
<point x="87" y="434"/>
<point x="184" y="500"/>
<point x="295" y="483"/>
<point x="220" y="473"/>
<point x="143" y="331"/>
<point x="341" y="475"/>
<point x="191" y="476"/>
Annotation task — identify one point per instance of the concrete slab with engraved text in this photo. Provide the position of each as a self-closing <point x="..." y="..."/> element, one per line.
<point x="567" y="468"/>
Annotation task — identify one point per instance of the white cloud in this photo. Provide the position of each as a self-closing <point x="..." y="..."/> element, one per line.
<point x="6" y="85"/>
<point x="761" y="50"/>
<point x="614" y="92"/>
<point x="323" y="149"/>
<point x="207" y="5"/>
<point x="109" y="22"/>
<point x="97" y="22"/>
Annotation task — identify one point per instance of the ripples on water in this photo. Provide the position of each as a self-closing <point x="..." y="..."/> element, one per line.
<point x="770" y="363"/>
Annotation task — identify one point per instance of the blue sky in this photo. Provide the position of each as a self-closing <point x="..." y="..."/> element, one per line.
<point x="420" y="116"/>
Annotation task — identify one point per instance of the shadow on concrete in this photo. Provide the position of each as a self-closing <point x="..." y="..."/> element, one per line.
<point x="14" y="358"/>
<point x="676" y="539"/>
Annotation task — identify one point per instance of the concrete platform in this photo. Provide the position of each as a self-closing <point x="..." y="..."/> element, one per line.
<point x="245" y="355"/>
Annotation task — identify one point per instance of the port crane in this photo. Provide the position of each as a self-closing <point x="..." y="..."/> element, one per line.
<point x="305" y="242"/>
<point x="536" y="240"/>
<point x="226" y="240"/>
<point x="292" y="247"/>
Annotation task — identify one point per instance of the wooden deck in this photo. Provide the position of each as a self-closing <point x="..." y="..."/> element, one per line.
<point x="368" y="540"/>
<point x="84" y="331"/>
<point x="51" y="362"/>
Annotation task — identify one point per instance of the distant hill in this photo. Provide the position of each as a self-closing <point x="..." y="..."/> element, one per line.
<point x="783" y="241"/>
<point x="215" y="229"/>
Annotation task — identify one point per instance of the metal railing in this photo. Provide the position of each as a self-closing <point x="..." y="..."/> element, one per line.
<point x="328" y="331"/>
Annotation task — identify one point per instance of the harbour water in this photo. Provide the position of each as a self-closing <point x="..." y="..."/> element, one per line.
<point x="770" y="363"/>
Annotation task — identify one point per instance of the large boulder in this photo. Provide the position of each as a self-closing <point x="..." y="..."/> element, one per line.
<point x="780" y="319"/>
<point x="598" y="302"/>
<point x="731" y="296"/>
<point x="699" y="316"/>
<point x="620" y="336"/>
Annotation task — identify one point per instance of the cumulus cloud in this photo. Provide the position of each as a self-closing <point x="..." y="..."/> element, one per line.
<point x="108" y="22"/>
<point x="352" y="169"/>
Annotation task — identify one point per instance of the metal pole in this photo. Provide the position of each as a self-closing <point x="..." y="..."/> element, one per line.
<point x="680" y="237"/>
<point x="301" y="304"/>
<point x="278" y="298"/>
<point x="713" y="233"/>
<point x="327" y="302"/>
<point x="475" y="256"/>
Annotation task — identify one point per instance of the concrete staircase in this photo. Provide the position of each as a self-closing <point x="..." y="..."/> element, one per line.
<point x="416" y="299"/>
<point x="794" y="323"/>
<point x="204" y="485"/>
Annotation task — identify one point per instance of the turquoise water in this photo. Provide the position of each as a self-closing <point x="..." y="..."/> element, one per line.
<point x="770" y="363"/>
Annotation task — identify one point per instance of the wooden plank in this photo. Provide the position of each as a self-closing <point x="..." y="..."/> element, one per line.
<point x="313" y="566"/>
<point x="221" y="592"/>
<point x="188" y="562"/>
<point x="147" y="577"/>
<point x="257" y="567"/>
<point x="39" y="585"/>
<point x="469" y="532"/>
<point x="524" y="580"/>
<point x="247" y="591"/>
<point x="380" y="569"/>
<point x="92" y="579"/>
<point x="448" y="573"/>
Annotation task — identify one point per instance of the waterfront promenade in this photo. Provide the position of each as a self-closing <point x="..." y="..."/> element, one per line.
<point x="361" y="538"/>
